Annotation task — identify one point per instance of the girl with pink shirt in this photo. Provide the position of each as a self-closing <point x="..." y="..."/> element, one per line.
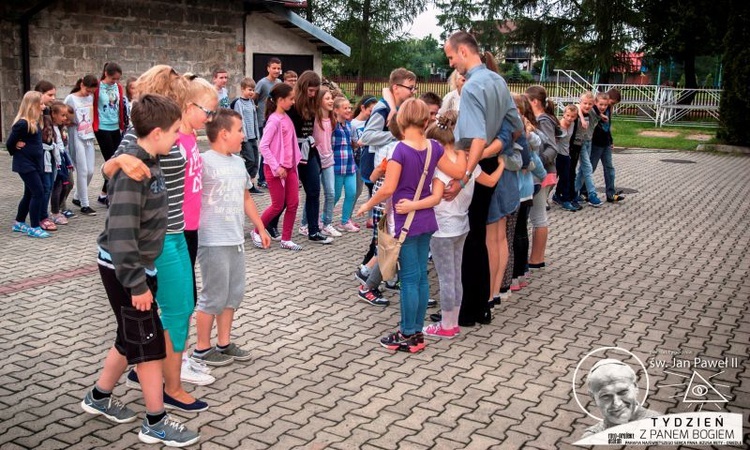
<point x="323" y="133"/>
<point x="281" y="155"/>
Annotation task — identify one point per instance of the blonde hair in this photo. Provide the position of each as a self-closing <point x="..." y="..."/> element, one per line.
<point x="413" y="113"/>
<point x="163" y="80"/>
<point x="442" y="129"/>
<point x="587" y="94"/>
<point x="602" y="95"/>
<point x="199" y="89"/>
<point x="572" y="108"/>
<point x="30" y="110"/>
<point x="400" y="75"/>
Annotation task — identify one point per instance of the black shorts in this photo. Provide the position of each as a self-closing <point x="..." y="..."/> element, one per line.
<point x="140" y="336"/>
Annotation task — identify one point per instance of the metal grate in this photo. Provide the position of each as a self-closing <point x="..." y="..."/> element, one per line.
<point x="678" y="161"/>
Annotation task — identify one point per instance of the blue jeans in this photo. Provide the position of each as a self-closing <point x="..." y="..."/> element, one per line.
<point x="347" y="184"/>
<point x="48" y="180"/>
<point x="328" y="178"/>
<point x="605" y="155"/>
<point x="415" y="289"/>
<point x="585" y="173"/>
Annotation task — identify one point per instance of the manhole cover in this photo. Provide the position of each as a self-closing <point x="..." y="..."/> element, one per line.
<point x="677" y="161"/>
<point x="624" y="190"/>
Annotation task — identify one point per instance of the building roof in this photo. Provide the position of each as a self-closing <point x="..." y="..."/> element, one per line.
<point x="301" y="27"/>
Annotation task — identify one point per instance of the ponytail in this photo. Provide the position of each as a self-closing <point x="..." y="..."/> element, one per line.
<point x="281" y="90"/>
<point x="89" y="81"/>
<point x="489" y="61"/>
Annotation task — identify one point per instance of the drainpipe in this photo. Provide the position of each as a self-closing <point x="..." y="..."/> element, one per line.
<point x="26" y="41"/>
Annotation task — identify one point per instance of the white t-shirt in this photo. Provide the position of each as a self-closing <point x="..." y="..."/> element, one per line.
<point x="453" y="216"/>
<point x="225" y="181"/>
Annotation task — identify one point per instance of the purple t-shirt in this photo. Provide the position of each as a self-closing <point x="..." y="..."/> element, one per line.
<point x="412" y="164"/>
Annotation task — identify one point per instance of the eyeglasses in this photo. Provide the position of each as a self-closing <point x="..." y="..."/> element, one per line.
<point x="209" y="113"/>
<point x="410" y="88"/>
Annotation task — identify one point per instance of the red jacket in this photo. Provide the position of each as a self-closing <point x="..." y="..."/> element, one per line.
<point x="122" y="115"/>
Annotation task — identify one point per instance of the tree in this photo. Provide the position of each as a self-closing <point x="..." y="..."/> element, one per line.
<point x="684" y="30"/>
<point x="592" y="33"/>
<point x="734" y="109"/>
<point x="370" y="26"/>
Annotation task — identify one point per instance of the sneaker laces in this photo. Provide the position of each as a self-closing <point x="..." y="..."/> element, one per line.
<point x="174" y="424"/>
<point x="198" y="366"/>
<point x="116" y="403"/>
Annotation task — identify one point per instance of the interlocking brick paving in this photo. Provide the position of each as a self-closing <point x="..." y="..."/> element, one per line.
<point x="665" y="271"/>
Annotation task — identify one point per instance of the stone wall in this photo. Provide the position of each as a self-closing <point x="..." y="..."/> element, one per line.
<point x="71" y="39"/>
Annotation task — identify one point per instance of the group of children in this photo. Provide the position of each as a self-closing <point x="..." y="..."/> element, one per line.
<point x="53" y="147"/>
<point x="171" y="206"/>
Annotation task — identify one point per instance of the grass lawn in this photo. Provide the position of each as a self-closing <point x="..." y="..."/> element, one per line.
<point x="645" y="135"/>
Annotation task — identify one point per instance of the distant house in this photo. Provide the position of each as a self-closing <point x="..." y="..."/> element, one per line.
<point x="508" y="48"/>
<point x="61" y="41"/>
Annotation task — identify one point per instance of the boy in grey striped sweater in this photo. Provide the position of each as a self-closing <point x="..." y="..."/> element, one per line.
<point x="132" y="239"/>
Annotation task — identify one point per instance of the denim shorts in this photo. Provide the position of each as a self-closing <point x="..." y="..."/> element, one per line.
<point x="140" y="336"/>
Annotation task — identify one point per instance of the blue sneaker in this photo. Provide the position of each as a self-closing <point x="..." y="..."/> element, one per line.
<point x="557" y="200"/>
<point x="580" y="199"/>
<point x="567" y="206"/>
<point x="20" y="227"/>
<point x="110" y="407"/>
<point x="173" y="403"/>
<point x="168" y="432"/>
<point x="594" y="201"/>
<point x="576" y="205"/>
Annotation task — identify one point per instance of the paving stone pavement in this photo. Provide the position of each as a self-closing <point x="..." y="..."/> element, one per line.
<point x="665" y="271"/>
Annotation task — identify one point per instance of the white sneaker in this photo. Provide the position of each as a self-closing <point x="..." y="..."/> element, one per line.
<point x="195" y="372"/>
<point x="257" y="241"/>
<point x="330" y="230"/>
<point x="303" y="230"/>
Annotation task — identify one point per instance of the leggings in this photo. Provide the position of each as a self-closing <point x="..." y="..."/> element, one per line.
<point x="83" y="160"/>
<point x="510" y="233"/>
<point x="33" y="198"/>
<point x="347" y="184"/>
<point x="521" y="240"/>
<point x="108" y="141"/>
<point x="191" y="238"/>
<point x="447" y="255"/>
<point x="284" y="194"/>
<point x="60" y="192"/>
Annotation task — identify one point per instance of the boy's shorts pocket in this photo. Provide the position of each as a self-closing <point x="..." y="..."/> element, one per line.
<point x="139" y="327"/>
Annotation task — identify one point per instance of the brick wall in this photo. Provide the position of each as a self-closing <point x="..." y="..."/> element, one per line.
<point x="71" y="39"/>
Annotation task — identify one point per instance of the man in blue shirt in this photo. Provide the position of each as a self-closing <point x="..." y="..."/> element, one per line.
<point x="485" y="103"/>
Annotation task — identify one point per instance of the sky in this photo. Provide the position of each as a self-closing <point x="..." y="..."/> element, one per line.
<point x="425" y="24"/>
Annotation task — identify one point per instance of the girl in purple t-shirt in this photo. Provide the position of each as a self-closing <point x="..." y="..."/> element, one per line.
<point x="402" y="176"/>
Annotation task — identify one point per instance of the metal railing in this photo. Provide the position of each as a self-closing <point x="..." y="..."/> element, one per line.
<point x="659" y="105"/>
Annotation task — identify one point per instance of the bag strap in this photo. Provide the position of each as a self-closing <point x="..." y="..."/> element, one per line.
<point x="410" y="216"/>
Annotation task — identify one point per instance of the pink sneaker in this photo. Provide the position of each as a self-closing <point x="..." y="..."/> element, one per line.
<point x="436" y="330"/>
<point x="457" y="330"/>
<point x="514" y="285"/>
<point x="349" y="226"/>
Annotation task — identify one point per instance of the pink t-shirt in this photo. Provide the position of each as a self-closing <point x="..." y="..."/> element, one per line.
<point x="191" y="207"/>
<point x="323" y="138"/>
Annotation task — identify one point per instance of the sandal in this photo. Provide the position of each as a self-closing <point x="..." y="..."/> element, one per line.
<point x="289" y="245"/>
<point x="48" y="225"/>
<point x="38" y="233"/>
<point x="59" y="219"/>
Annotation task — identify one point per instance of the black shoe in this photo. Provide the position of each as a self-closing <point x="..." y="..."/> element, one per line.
<point x="76" y="202"/>
<point x="88" y="211"/>
<point x="104" y="200"/>
<point x="486" y="318"/>
<point x="466" y="323"/>
<point x="274" y="233"/>
<point x="255" y="190"/>
<point x="263" y="184"/>
<point x="373" y="297"/>
<point x="436" y="317"/>
<point x="615" y="198"/>
<point x="431" y="302"/>
<point x="494" y="302"/>
<point x="393" y="286"/>
<point x="318" y="238"/>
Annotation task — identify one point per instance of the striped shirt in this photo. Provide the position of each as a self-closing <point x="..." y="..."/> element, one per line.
<point x="173" y="167"/>
<point x="133" y="235"/>
<point x="343" y="155"/>
<point x="249" y="114"/>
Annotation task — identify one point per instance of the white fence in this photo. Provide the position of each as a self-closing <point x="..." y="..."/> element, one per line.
<point x="660" y="105"/>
